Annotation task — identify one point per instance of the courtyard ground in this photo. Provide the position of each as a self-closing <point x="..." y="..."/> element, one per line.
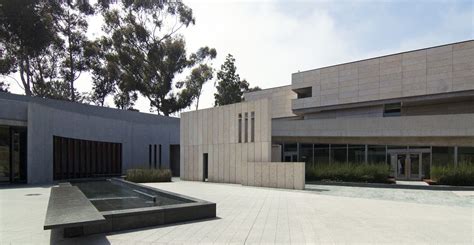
<point x="321" y="214"/>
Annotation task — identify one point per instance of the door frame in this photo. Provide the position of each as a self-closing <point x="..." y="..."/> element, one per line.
<point x="407" y="152"/>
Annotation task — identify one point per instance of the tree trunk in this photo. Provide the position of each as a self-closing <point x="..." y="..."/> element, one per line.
<point x="71" y="63"/>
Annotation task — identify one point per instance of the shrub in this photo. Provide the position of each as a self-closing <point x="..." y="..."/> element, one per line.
<point x="350" y="172"/>
<point x="460" y="174"/>
<point x="148" y="175"/>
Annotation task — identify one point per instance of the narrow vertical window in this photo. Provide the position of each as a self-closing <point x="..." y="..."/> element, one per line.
<point x="246" y="138"/>
<point x="149" y="155"/>
<point x="154" y="148"/>
<point x="252" y="126"/>
<point x="159" y="151"/>
<point x="240" y="128"/>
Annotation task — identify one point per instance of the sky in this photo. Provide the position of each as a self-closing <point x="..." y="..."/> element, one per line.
<point x="270" y="40"/>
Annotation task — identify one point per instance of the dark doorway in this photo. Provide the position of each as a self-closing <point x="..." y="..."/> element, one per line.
<point x="174" y="160"/>
<point x="13" y="154"/>
<point x="205" y="166"/>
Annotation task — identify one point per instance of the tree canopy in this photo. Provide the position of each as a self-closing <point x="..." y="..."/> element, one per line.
<point x="230" y="88"/>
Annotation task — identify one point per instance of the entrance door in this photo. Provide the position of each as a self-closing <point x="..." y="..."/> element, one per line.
<point x="290" y="157"/>
<point x="407" y="165"/>
<point x="205" y="166"/>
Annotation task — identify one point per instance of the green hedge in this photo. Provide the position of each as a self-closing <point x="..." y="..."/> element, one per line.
<point x="462" y="174"/>
<point x="349" y="172"/>
<point x="148" y="175"/>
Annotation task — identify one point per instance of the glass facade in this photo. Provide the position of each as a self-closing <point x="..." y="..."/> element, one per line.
<point x="466" y="155"/>
<point x="306" y="154"/>
<point x="356" y="154"/>
<point x="376" y="154"/>
<point x="442" y="156"/>
<point x="321" y="153"/>
<point x="411" y="162"/>
<point x="338" y="153"/>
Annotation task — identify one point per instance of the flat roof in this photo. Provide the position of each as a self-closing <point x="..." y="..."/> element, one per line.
<point x="404" y="52"/>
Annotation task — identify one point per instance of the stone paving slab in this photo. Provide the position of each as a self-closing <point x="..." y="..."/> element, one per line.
<point x="252" y="215"/>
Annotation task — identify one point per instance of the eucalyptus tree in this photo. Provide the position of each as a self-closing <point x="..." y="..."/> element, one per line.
<point x="147" y="54"/>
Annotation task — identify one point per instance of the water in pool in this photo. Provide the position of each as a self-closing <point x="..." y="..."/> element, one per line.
<point x="107" y="195"/>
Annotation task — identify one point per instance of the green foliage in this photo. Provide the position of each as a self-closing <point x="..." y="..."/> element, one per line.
<point x="3" y="87"/>
<point x="143" y="55"/>
<point x="230" y="88"/>
<point x="148" y="175"/>
<point x="350" y="172"/>
<point x="461" y="174"/>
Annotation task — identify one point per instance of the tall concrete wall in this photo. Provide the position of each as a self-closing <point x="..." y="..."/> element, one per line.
<point x="280" y="99"/>
<point x="434" y="70"/>
<point x="214" y="131"/>
<point x="47" y="118"/>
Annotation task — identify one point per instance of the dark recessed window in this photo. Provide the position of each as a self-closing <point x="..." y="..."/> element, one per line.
<point x="392" y="110"/>
<point x="304" y="92"/>
<point x="246" y="127"/>
<point x="240" y="128"/>
<point x="252" y="126"/>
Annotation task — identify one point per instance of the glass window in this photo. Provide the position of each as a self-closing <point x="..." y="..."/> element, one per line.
<point x="425" y="165"/>
<point x="306" y="154"/>
<point x="442" y="156"/>
<point x="321" y="154"/>
<point x="356" y="153"/>
<point x="392" y="110"/>
<point x="252" y="127"/>
<point x="466" y="155"/>
<point x="338" y="153"/>
<point x="246" y="127"/>
<point x="240" y="128"/>
<point x="376" y="154"/>
<point x="291" y="147"/>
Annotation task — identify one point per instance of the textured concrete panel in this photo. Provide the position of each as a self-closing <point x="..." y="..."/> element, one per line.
<point x="251" y="173"/>
<point x="281" y="179"/>
<point x="299" y="175"/>
<point x="226" y="163"/>
<point x="215" y="149"/>
<point x="273" y="175"/>
<point x="244" y="172"/>
<point x="210" y="155"/>
<point x="289" y="172"/>
<point x="265" y="170"/>
<point x="221" y="163"/>
<point x="232" y="153"/>
<point x="238" y="163"/>
<point x="258" y="174"/>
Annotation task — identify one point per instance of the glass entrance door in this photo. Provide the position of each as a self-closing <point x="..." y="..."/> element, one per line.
<point x="290" y="157"/>
<point x="401" y="166"/>
<point x="415" y="166"/>
<point x="407" y="165"/>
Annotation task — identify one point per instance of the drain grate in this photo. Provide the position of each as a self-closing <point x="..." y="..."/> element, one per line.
<point x="33" y="194"/>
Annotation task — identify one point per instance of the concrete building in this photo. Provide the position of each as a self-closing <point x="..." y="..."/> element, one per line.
<point x="408" y="110"/>
<point x="43" y="140"/>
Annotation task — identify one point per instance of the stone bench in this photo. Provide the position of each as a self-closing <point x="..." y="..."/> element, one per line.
<point x="70" y="209"/>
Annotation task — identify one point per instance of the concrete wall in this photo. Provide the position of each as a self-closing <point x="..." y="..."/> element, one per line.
<point x="434" y="70"/>
<point x="287" y="175"/>
<point x="46" y="118"/>
<point x="280" y="99"/>
<point x="214" y="131"/>
<point x="459" y="125"/>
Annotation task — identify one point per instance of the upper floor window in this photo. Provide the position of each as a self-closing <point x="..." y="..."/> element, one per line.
<point x="304" y="92"/>
<point x="252" y="126"/>
<point x="392" y="110"/>
<point x="246" y="133"/>
<point x="240" y="127"/>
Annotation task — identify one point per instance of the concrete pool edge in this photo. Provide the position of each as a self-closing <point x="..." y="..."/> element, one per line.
<point x="127" y="219"/>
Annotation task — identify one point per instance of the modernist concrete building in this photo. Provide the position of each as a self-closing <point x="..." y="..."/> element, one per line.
<point x="43" y="140"/>
<point x="408" y="110"/>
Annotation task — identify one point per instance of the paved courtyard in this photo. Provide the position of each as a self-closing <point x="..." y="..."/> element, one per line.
<point x="260" y="215"/>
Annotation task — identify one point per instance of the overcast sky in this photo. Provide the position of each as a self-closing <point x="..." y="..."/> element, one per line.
<point x="272" y="39"/>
